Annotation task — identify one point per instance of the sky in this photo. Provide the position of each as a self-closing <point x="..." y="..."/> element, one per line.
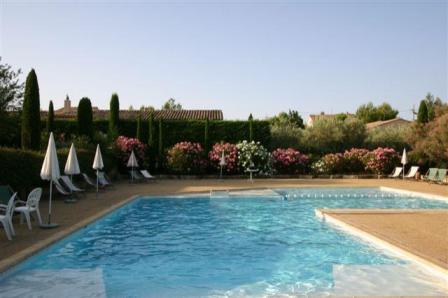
<point x="259" y="57"/>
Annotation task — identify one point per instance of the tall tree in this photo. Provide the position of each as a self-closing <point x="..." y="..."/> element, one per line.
<point x="50" y="117"/>
<point x="160" y="146"/>
<point x="114" y="114"/>
<point x="291" y="118"/>
<point x="31" y="113"/>
<point x="422" y="116"/>
<point x="11" y="90"/>
<point x="85" y="117"/>
<point x="139" y="128"/>
<point x="206" y="132"/>
<point x="251" y="128"/>
<point x="171" y="104"/>
<point x="430" y="105"/>
<point x="150" y="131"/>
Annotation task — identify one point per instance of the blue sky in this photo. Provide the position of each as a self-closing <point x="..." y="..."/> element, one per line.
<point x="253" y="56"/>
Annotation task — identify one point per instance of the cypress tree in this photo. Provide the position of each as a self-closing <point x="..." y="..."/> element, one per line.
<point x="150" y="130"/>
<point x="251" y="128"/>
<point x="85" y="117"/>
<point x="422" y="116"/>
<point x="30" y="134"/>
<point x="160" y="144"/>
<point x="206" y="129"/>
<point x="114" y="114"/>
<point x="139" y="127"/>
<point x="50" y="118"/>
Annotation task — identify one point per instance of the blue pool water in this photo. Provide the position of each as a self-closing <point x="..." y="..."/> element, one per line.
<point x="199" y="247"/>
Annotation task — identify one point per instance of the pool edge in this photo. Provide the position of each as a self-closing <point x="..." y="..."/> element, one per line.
<point x="324" y="215"/>
<point x="22" y="255"/>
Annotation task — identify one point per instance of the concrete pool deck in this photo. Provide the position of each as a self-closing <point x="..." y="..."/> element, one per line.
<point x="71" y="217"/>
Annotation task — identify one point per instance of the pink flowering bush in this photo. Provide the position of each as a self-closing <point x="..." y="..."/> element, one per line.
<point x="125" y="145"/>
<point x="382" y="160"/>
<point x="230" y="156"/>
<point x="354" y="160"/>
<point x="186" y="158"/>
<point x="289" y="161"/>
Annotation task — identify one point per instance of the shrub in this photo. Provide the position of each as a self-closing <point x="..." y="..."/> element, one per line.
<point x="186" y="158"/>
<point x="382" y="160"/>
<point x="289" y="161"/>
<point x="230" y="156"/>
<point x="124" y="146"/>
<point x="31" y="125"/>
<point x="393" y="137"/>
<point x="253" y="153"/>
<point x="334" y="135"/>
<point x="332" y="163"/>
<point x="284" y="134"/>
<point x="85" y="119"/>
<point x="354" y="160"/>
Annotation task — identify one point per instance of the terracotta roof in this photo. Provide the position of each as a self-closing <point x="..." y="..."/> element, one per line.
<point x="164" y="114"/>
<point x="395" y="121"/>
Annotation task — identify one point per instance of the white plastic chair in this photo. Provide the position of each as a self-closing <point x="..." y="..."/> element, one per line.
<point x="31" y="205"/>
<point x="6" y="219"/>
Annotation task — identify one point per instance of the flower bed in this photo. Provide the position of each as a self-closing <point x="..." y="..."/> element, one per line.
<point x="253" y="154"/>
<point x="382" y="160"/>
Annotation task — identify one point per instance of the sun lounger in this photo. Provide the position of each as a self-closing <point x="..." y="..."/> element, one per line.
<point x="412" y="172"/>
<point x="441" y="176"/>
<point x="147" y="175"/>
<point x="61" y="189"/>
<point x="88" y="180"/>
<point x="6" y="218"/>
<point x="135" y="175"/>
<point x="70" y="185"/>
<point x="396" y="173"/>
<point x="31" y="205"/>
<point x="102" y="180"/>
<point x="431" y="175"/>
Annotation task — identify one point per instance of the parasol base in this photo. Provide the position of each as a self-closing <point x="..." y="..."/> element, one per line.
<point x="49" y="226"/>
<point x="70" y="201"/>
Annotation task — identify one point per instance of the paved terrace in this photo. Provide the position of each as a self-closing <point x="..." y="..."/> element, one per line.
<point x="424" y="234"/>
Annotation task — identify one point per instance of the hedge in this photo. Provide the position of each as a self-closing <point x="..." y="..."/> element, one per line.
<point x="21" y="168"/>
<point x="175" y="131"/>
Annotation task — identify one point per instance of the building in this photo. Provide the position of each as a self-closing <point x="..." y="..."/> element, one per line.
<point x="315" y="117"/>
<point x="392" y="123"/>
<point x="70" y="112"/>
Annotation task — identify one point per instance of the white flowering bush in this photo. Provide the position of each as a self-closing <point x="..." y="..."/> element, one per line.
<point x="253" y="154"/>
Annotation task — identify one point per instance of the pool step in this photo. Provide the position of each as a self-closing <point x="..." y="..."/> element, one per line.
<point x="217" y="194"/>
<point x="55" y="283"/>
<point x="385" y="280"/>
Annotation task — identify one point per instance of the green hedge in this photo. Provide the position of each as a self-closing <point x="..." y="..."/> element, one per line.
<point x="21" y="168"/>
<point x="177" y="131"/>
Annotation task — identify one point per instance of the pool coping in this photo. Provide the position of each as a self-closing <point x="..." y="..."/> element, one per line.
<point x="24" y="254"/>
<point x="326" y="216"/>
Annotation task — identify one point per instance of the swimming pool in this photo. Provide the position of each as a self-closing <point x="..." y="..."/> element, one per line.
<point x="197" y="246"/>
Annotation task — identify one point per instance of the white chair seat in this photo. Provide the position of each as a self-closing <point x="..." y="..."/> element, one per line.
<point x="24" y="208"/>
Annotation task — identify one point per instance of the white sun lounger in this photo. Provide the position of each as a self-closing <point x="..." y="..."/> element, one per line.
<point x="412" y="172"/>
<point x="102" y="179"/>
<point x="88" y="180"/>
<point x="60" y="188"/>
<point x="147" y="175"/>
<point x="396" y="172"/>
<point x="70" y="184"/>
